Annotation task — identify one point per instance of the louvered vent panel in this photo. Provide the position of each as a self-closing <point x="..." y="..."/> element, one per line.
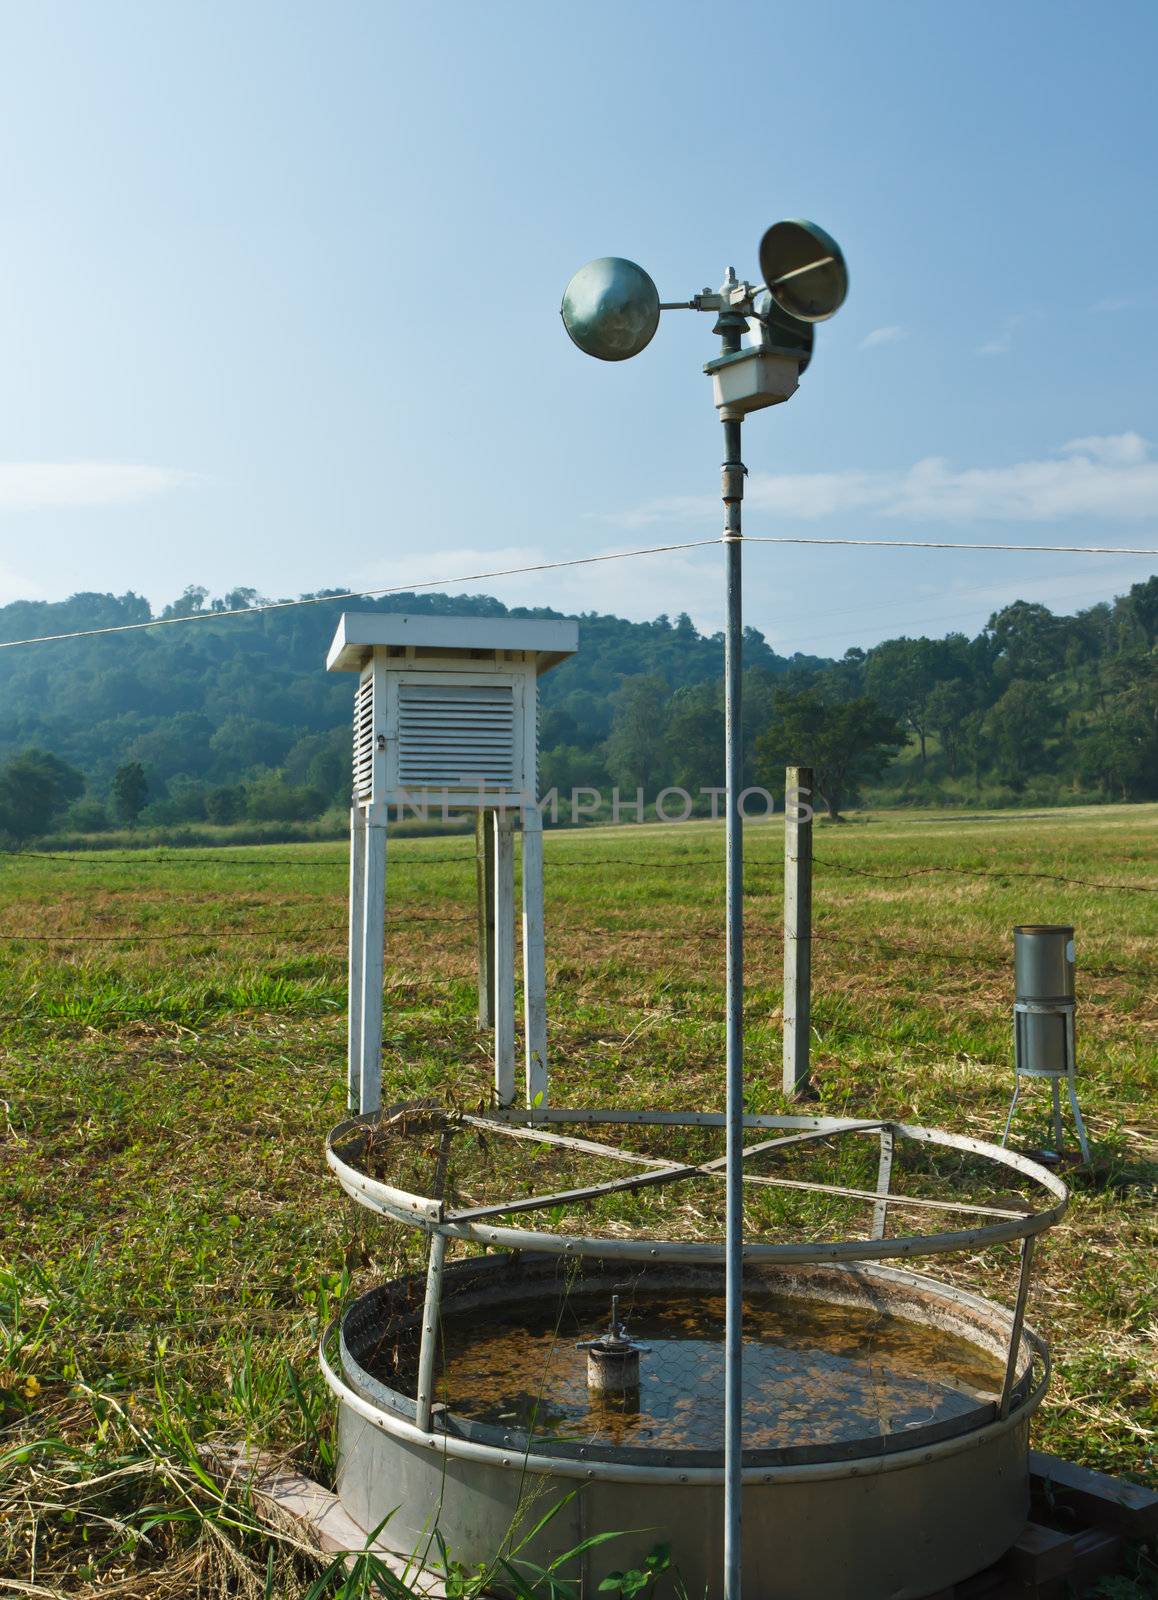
<point x="364" y="738"/>
<point x="456" y="731"/>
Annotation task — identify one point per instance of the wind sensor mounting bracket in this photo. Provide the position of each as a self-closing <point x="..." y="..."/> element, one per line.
<point x="611" y="310"/>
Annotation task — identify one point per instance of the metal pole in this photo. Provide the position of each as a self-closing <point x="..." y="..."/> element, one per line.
<point x="431" y="1315"/>
<point x="1015" y="1330"/>
<point x="733" y="489"/>
<point x="797" y="926"/>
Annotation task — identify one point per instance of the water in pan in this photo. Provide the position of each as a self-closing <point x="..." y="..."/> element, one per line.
<point x="814" y="1373"/>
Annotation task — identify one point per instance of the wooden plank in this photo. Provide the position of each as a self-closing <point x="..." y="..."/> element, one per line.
<point x="1097" y="1554"/>
<point x="1040" y="1554"/>
<point x="1096" y="1498"/>
<point x="302" y="1508"/>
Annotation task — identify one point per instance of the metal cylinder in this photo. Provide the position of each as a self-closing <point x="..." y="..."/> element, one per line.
<point x="1043" y="964"/>
<point x="1043" y="975"/>
<point x="613" y="1372"/>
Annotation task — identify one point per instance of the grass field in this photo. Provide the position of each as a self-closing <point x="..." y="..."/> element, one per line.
<point x="172" y="1041"/>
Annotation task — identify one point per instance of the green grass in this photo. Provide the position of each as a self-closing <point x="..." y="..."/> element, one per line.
<point x="171" y="1244"/>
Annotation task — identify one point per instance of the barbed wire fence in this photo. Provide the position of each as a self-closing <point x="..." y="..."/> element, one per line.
<point x="333" y="933"/>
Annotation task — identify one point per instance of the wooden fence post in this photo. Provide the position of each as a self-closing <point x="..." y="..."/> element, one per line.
<point x="797" y="926"/>
<point x="534" y="960"/>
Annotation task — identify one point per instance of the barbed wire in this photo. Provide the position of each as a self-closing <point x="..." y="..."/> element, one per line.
<point x="753" y="931"/>
<point x="985" y="872"/>
<point x="586" y="862"/>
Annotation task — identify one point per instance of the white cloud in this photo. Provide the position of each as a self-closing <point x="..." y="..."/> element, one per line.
<point x="1001" y="342"/>
<point x="1113" y="449"/>
<point x="887" y="335"/>
<point x="1107" y="477"/>
<point x="1115" y="302"/>
<point x="58" y="485"/>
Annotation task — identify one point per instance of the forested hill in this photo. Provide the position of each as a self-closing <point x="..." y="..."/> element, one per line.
<point x="228" y="701"/>
<point x="232" y="717"/>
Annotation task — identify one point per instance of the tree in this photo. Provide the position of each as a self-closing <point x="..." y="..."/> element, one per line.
<point x="695" y="736"/>
<point x="242" y="743"/>
<point x="1027" y="640"/>
<point x="130" y="791"/>
<point x="946" y="708"/>
<point x="635" y="748"/>
<point x="226" y="804"/>
<point x="1018" y="726"/>
<point x="1121" y="752"/>
<point x="35" y="787"/>
<point x="900" y="675"/>
<point x="1142" y="606"/>
<point x="845" y="744"/>
<point x="191" y="601"/>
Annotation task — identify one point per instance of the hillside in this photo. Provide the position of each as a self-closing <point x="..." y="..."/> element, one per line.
<point x="235" y="717"/>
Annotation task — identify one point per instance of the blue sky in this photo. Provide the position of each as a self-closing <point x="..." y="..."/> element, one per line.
<point x="279" y="291"/>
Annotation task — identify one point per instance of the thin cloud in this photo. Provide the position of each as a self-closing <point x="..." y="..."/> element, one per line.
<point x="1100" y="477"/>
<point x="1115" y="302"/>
<point x="1001" y="343"/>
<point x="59" y="485"/>
<point x="886" y="335"/>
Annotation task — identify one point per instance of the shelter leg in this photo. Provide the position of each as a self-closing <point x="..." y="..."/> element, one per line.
<point x="534" y="960"/>
<point x="485" y="875"/>
<point x="373" y="961"/>
<point x="354" y="986"/>
<point x="504" y="957"/>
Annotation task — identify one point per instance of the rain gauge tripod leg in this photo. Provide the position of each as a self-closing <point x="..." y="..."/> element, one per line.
<point x="534" y="960"/>
<point x="1071" y="1052"/>
<point x="504" y="957"/>
<point x="1079" y="1124"/>
<point x="1012" y="1108"/>
<point x="354" y="984"/>
<point x="1058" y="1132"/>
